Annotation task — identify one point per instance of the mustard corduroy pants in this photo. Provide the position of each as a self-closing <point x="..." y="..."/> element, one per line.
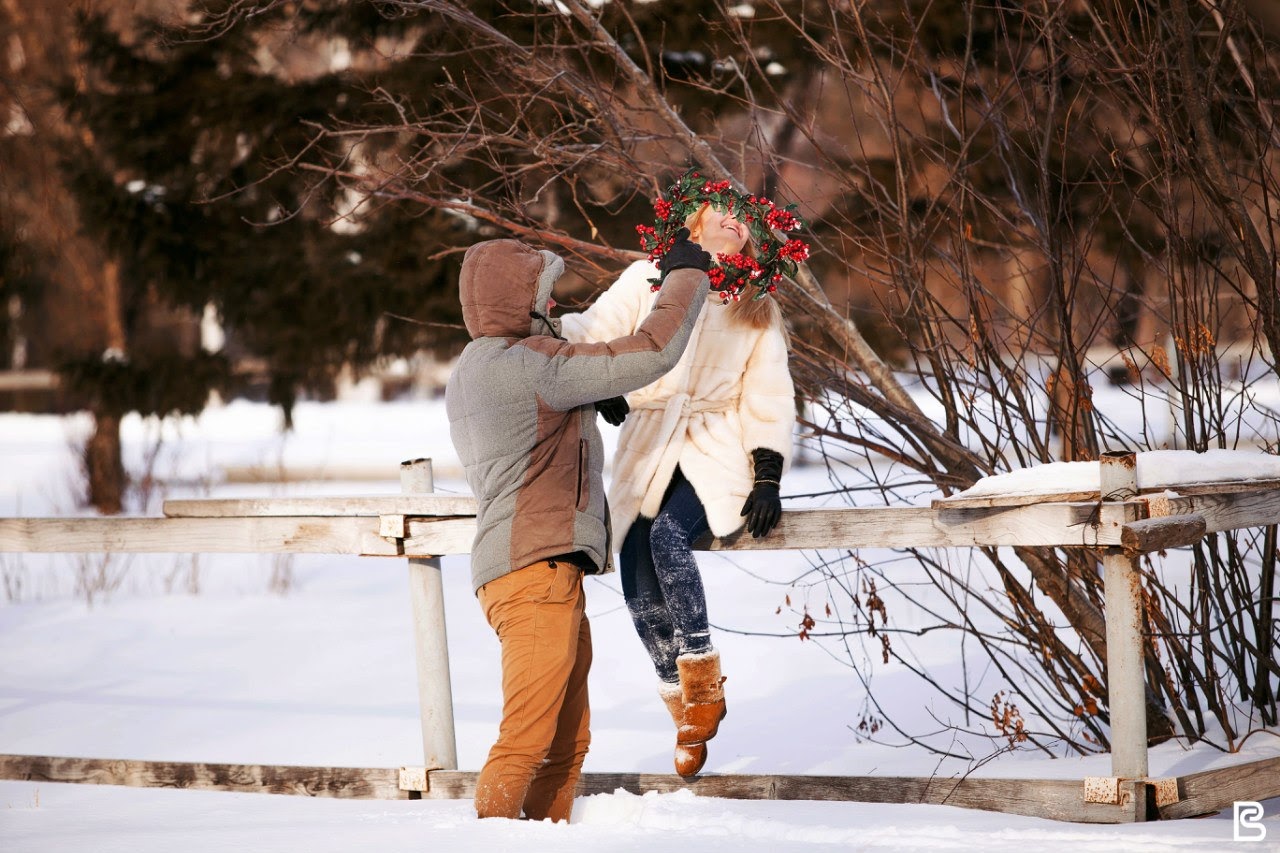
<point x="538" y="614"/>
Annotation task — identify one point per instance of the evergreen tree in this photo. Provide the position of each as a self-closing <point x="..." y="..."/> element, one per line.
<point x="180" y="177"/>
<point x="172" y="152"/>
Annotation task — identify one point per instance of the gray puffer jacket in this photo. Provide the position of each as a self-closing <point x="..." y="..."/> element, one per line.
<point x="520" y="405"/>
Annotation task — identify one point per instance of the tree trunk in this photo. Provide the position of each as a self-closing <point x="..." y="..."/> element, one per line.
<point x="104" y="465"/>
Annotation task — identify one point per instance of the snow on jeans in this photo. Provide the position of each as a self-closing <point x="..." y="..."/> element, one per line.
<point x="538" y="614"/>
<point x="661" y="582"/>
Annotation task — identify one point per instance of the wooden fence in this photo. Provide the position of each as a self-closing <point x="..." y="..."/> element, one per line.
<point x="1118" y="522"/>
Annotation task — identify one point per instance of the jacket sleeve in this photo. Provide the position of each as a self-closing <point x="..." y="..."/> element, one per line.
<point x="567" y="375"/>
<point x="767" y="405"/>
<point x="616" y="312"/>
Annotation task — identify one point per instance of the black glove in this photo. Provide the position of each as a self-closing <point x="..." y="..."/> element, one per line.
<point x="684" y="255"/>
<point x="763" y="508"/>
<point x="613" y="410"/>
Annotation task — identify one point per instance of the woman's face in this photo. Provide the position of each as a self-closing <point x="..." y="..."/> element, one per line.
<point x="720" y="233"/>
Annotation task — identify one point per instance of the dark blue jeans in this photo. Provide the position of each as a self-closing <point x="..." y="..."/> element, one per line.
<point x="661" y="581"/>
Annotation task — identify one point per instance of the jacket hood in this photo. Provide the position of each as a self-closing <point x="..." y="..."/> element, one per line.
<point x="503" y="281"/>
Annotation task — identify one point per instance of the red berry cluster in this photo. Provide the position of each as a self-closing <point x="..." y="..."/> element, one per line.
<point x="730" y="274"/>
<point x="782" y="220"/>
<point x="795" y="250"/>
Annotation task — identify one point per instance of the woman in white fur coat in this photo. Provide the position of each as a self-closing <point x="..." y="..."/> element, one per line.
<point x="703" y="448"/>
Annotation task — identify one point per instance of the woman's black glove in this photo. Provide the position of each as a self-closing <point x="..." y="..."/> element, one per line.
<point x="763" y="508"/>
<point x="613" y="410"/>
<point x="684" y="255"/>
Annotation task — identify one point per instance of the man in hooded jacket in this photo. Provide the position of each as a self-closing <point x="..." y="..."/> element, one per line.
<point x="521" y="405"/>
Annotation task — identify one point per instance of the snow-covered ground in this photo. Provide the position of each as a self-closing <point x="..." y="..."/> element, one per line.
<point x="174" y="657"/>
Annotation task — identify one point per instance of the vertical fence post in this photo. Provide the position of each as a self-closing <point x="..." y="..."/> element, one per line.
<point x="426" y="593"/>
<point x="1126" y="684"/>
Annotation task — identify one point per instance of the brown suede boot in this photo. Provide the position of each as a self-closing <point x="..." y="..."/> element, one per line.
<point x="703" y="688"/>
<point x="689" y="758"/>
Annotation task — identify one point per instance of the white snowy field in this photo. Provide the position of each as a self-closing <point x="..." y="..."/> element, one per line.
<point x="174" y="657"/>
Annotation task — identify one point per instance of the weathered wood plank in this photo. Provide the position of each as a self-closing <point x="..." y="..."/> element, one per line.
<point x="1049" y="524"/>
<point x="28" y="380"/>
<point x="436" y="537"/>
<point x="1211" y="791"/>
<point x="445" y="525"/>
<point x="195" y="535"/>
<point x="1157" y="534"/>
<point x="1206" y="792"/>
<point x="339" y="782"/>
<point x="1218" y="487"/>
<point x="430" y="639"/>
<point x="1060" y="524"/>
<point x="987" y="501"/>
<point x="1222" y="487"/>
<point x="1231" y="510"/>
<point x="888" y="527"/>
<point x="337" y="505"/>
<point x="1054" y="799"/>
<point x="1122" y="588"/>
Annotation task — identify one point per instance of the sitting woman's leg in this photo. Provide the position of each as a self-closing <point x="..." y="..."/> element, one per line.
<point x="645" y="601"/>
<point x="679" y="524"/>
<point x="651" y="614"/>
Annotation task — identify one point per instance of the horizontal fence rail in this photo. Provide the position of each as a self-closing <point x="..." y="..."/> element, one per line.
<point x="437" y="526"/>
<point x="1192" y="795"/>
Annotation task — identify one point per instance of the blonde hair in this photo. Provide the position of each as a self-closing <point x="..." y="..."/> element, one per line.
<point x="748" y="312"/>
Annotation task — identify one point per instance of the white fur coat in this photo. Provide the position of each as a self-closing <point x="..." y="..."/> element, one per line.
<point x="730" y="393"/>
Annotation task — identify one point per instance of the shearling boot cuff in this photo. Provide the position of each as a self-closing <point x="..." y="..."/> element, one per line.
<point x="700" y="678"/>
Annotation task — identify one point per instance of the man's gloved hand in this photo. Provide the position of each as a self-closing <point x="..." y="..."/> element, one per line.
<point x="763" y="507"/>
<point x="613" y="410"/>
<point x="684" y="255"/>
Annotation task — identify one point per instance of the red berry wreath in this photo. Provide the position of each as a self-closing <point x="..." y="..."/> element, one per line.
<point x="730" y="274"/>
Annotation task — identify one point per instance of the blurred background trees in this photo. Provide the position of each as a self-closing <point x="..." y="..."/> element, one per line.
<point x="1009" y="203"/>
<point x="147" y="187"/>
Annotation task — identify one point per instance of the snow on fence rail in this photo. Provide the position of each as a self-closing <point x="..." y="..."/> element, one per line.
<point x="1117" y="520"/>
